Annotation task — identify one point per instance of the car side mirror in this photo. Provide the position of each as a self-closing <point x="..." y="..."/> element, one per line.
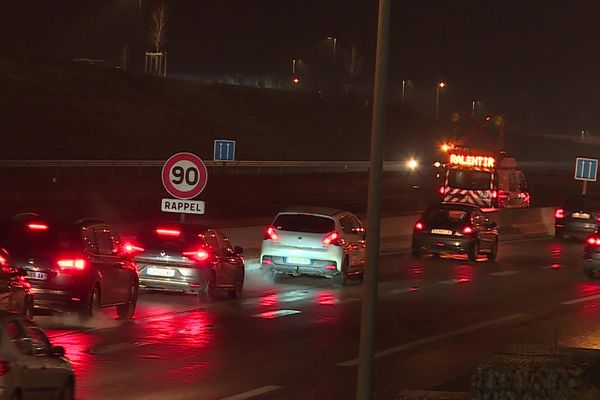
<point x="238" y="250"/>
<point x="58" y="351"/>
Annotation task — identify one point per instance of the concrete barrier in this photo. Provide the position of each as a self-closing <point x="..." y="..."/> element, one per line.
<point x="431" y="395"/>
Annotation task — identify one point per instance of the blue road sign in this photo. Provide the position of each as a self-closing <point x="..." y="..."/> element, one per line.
<point x="224" y="150"/>
<point x="586" y="169"/>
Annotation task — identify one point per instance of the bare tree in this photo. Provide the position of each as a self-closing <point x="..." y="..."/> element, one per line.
<point x="353" y="62"/>
<point x="158" y="26"/>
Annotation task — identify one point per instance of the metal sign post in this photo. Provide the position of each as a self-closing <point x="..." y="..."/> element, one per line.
<point x="368" y="317"/>
<point x="586" y="170"/>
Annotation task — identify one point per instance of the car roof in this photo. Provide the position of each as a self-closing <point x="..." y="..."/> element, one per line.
<point x="325" y="211"/>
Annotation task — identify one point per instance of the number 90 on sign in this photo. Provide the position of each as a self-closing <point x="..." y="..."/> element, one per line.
<point x="184" y="175"/>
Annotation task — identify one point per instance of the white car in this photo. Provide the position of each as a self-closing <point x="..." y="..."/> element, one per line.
<point x="315" y="241"/>
<point x="30" y="367"/>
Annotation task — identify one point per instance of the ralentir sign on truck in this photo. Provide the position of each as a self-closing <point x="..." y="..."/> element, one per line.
<point x="472" y="177"/>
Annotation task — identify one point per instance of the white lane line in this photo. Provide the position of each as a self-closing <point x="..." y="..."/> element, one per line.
<point x="253" y="393"/>
<point x="276" y="314"/>
<point x="435" y="338"/>
<point x="581" y="300"/>
<point x="504" y="273"/>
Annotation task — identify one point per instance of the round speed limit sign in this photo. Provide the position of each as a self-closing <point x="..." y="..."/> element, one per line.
<point x="184" y="176"/>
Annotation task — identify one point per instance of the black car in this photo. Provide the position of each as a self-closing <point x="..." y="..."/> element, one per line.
<point x="189" y="258"/>
<point x="449" y="228"/>
<point x="16" y="294"/>
<point x="578" y="217"/>
<point x="78" y="266"/>
<point x="591" y="254"/>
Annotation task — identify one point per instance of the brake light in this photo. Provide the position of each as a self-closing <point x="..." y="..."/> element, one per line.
<point x="130" y="248"/>
<point x="77" y="264"/>
<point x="199" y="255"/>
<point x="559" y="213"/>
<point x="593" y="241"/>
<point x="467" y="230"/>
<point x="4" y="368"/>
<point x="419" y="226"/>
<point x="2" y="261"/>
<point x="330" y="239"/>
<point x="168" y="232"/>
<point x="494" y="194"/>
<point x="442" y="190"/>
<point x="38" y="227"/>
<point x="271" y="234"/>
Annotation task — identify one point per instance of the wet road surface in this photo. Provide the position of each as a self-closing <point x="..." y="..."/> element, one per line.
<point x="298" y="338"/>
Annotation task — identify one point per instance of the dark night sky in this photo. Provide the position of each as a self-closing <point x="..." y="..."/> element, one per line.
<point x="517" y="56"/>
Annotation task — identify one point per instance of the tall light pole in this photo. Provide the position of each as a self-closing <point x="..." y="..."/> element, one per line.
<point x="368" y="318"/>
<point x="403" y="89"/>
<point x="334" y="44"/>
<point x="438" y="87"/>
<point x="474" y="109"/>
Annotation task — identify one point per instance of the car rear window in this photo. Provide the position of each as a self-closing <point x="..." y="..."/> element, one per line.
<point x="22" y="241"/>
<point x="469" y="179"/>
<point x="304" y="223"/>
<point x="151" y="239"/>
<point x="445" y="214"/>
<point x="583" y="203"/>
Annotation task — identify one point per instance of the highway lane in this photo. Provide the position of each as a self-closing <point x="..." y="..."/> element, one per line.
<point x="298" y="338"/>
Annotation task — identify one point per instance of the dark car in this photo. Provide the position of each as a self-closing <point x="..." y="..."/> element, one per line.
<point x="578" y="217"/>
<point x="591" y="254"/>
<point x="448" y="228"/>
<point x="77" y="266"/>
<point x="16" y="294"/>
<point x="189" y="258"/>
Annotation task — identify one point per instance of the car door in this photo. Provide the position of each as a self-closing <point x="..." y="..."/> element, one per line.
<point x="352" y="239"/>
<point x="108" y="264"/>
<point x="216" y="258"/>
<point x="484" y="232"/>
<point x="230" y="262"/>
<point x="124" y="269"/>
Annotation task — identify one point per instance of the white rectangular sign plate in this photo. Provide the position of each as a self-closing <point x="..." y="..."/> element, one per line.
<point x="182" y="206"/>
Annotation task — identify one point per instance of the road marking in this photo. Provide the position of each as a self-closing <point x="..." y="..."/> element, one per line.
<point x="581" y="300"/>
<point x="504" y="273"/>
<point x="253" y="393"/>
<point x="404" y="290"/>
<point x="435" y="338"/>
<point x="276" y="314"/>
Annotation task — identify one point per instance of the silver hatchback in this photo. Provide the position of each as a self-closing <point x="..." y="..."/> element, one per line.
<point x="315" y="241"/>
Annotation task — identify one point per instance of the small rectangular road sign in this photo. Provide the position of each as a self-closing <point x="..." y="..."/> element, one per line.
<point x="586" y="169"/>
<point x="182" y="206"/>
<point x="224" y="150"/>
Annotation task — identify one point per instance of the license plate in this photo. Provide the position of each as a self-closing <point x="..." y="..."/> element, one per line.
<point x="297" y="261"/>
<point x="441" y="232"/>
<point x="163" y="272"/>
<point x="37" y="275"/>
<point x="580" y="215"/>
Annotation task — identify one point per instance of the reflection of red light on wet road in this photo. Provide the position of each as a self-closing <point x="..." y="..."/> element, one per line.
<point x="192" y="330"/>
<point x="464" y="273"/>
<point x="77" y="348"/>
<point x="268" y="300"/>
<point x="588" y="288"/>
<point x="555" y="266"/>
<point x="326" y="298"/>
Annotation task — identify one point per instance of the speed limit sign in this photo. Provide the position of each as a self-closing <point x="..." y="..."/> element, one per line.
<point x="184" y="175"/>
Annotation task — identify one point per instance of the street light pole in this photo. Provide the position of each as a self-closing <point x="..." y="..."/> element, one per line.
<point x="334" y="40"/>
<point x="293" y="68"/>
<point x="439" y="86"/>
<point x="474" y="109"/>
<point x="366" y="358"/>
<point x="403" y="88"/>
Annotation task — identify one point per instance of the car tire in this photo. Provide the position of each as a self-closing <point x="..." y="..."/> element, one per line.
<point x="93" y="305"/>
<point x="589" y="272"/>
<point x="415" y="251"/>
<point x="28" y="308"/>
<point x="207" y="293"/>
<point x="341" y="279"/>
<point x="494" y="252"/>
<point x="474" y="252"/>
<point x="236" y="292"/>
<point x="67" y="392"/>
<point x="126" y="311"/>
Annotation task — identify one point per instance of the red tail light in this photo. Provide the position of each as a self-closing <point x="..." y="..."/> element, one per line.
<point x="130" y="248"/>
<point x="199" y="255"/>
<point x="467" y="230"/>
<point x="37" y="227"/>
<point x="4" y="368"/>
<point x="168" y="232"/>
<point x="419" y="226"/>
<point x="494" y="194"/>
<point x="77" y="264"/>
<point x="559" y="213"/>
<point x="593" y="241"/>
<point x="271" y="234"/>
<point x="332" y="238"/>
<point x="442" y="190"/>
